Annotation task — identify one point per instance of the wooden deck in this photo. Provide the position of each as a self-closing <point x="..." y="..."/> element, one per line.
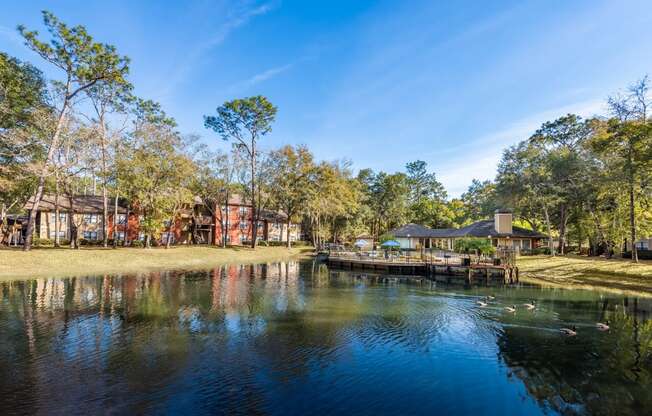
<point x="439" y="271"/>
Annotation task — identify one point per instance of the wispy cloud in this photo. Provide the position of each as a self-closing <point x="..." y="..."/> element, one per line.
<point x="479" y="158"/>
<point x="10" y="34"/>
<point x="237" y="19"/>
<point x="260" y="77"/>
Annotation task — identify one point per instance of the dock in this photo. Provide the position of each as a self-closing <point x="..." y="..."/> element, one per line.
<point x="433" y="269"/>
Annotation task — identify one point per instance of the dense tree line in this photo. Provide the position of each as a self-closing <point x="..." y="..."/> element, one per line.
<point x="585" y="183"/>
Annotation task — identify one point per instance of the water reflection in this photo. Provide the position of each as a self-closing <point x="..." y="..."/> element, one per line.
<point x="295" y="338"/>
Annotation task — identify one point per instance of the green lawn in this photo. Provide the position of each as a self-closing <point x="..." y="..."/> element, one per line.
<point x="589" y="272"/>
<point x="42" y="262"/>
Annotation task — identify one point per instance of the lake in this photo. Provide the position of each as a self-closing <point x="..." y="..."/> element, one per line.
<point x="298" y="338"/>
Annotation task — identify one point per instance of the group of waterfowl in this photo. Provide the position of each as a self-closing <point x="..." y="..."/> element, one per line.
<point x="571" y="332"/>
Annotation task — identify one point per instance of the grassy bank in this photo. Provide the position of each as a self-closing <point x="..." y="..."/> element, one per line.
<point x="65" y="262"/>
<point x="572" y="271"/>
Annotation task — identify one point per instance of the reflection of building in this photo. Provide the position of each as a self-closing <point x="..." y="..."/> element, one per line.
<point x="500" y="231"/>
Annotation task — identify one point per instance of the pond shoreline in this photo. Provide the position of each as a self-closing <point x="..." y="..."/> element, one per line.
<point x="63" y="262"/>
<point x="567" y="272"/>
<point x="574" y="272"/>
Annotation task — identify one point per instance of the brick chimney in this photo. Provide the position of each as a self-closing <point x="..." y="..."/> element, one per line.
<point x="503" y="221"/>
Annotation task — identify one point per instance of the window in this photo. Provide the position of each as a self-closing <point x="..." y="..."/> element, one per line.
<point x="642" y="245"/>
<point x="90" y="218"/>
<point x="53" y="234"/>
<point x="164" y="237"/>
<point x="527" y="244"/>
<point x="243" y="211"/>
<point x="90" y="235"/>
<point x="122" y="218"/>
<point x="120" y="235"/>
<point x="63" y="218"/>
<point x="244" y="225"/>
<point x="141" y="236"/>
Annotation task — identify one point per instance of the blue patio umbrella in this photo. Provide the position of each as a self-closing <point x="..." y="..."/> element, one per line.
<point x="391" y="243"/>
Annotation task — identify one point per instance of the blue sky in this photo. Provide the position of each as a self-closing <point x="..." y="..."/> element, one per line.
<point x="378" y="83"/>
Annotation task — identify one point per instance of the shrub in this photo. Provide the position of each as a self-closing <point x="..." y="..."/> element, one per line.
<point x="297" y="243"/>
<point x="473" y="245"/>
<point x="137" y="243"/>
<point x="42" y="242"/>
<point x="90" y="243"/>
<point x="540" y="250"/>
<point x="275" y="243"/>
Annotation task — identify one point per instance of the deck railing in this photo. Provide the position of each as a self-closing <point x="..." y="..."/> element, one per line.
<point x="427" y="256"/>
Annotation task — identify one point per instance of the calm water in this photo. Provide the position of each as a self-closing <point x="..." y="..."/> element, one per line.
<point x="296" y="338"/>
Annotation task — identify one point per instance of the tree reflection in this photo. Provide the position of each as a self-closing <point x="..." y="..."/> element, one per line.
<point x="599" y="373"/>
<point x="237" y="334"/>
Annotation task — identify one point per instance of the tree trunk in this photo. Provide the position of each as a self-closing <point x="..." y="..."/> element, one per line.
<point x="551" y="244"/>
<point x="115" y="222"/>
<point x="254" y="219"/>
<point x="57" y="222"/>
<point x="4" y="225"/>
<point x="127" y="213"/>
<point x="38" y="195"/>
<point x="74" y="230"/>
<point x="225" y="223"/>
<point x="105" y="198"/>
<point x="562" y="229"/>
<point x="289" y="244"/>
<point x="169" y="236"/>
<point x="632" y="219"/>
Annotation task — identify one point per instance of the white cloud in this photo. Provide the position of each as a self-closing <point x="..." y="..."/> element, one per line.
<point x="239" y="18"/>
<point x="11" y="34"/>
<point x="261" y="77"/>
<point x="478" y="158"/>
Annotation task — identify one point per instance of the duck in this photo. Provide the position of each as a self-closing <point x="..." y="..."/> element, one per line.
<point x="491" y="297"/>
<point x="530" y="305"/>
<point x="481" y="303"/>
<point x="571" y="332"/>
<point x="510" y="308"/>
<point x="602" y="326"/>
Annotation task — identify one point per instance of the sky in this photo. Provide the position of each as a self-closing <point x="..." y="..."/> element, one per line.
<point x="377" y="83"/>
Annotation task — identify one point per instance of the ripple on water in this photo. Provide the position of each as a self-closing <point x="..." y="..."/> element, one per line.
<point x="297" y="340"/>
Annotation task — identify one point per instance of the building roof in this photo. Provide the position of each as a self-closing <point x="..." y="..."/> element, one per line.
<point x="274" y="216"/>
<point x="477" y="229"/>
<point x="486" y="228"/>
<point x="81" y="203"/>
<point x="415" y="231"/>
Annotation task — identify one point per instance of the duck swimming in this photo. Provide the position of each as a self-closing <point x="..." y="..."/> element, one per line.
<point x="481" y="303"/>
<point x="571" y="332"/>
<point x="530" y="305"/>
<point x="510" y="308"/>
<point x="602" y="326"/>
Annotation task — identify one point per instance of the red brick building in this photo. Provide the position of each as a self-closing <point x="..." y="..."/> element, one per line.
<point x="194" y="225"/>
